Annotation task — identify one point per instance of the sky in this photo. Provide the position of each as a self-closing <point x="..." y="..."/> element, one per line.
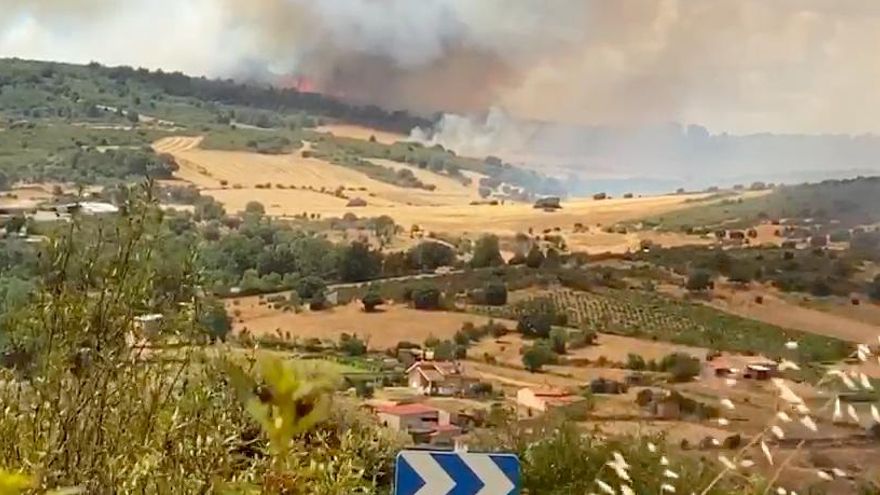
<point x="740" y="66"/>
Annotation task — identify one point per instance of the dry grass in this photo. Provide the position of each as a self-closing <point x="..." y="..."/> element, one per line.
<point x="778" y="310"/>
<point x="361" y="132"/>
<point x="444" y="210"/>
<point x="382" y="329"/>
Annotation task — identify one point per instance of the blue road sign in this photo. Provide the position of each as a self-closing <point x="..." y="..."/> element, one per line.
<point x="422" y="472"/>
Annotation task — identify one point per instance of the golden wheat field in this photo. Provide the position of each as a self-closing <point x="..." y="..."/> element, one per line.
<point x="290" y="185"/>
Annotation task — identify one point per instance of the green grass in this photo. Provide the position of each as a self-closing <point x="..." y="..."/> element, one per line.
<point x="267" y="141"/>
<point x="653" y="316"/>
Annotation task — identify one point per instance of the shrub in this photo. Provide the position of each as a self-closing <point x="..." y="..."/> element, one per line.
<point x="426" y="297"/>
<point x="535" y="258"/>
<point x="372" y="299"/>
<point x="698" y="280"/>
<point x="635" y="362"/>
<point x="558" y="340"/>
<point x="535" y="357"/>
<point x="496" y="293"/>
<point x="308" y="287"/>
<point x="352" y="345"/>
<point x="681" y="367"/>
<point x="487" y="252"/>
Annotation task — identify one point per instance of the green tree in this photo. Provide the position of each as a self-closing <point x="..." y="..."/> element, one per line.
<point x="255" y="208"/>
<point x="536" y="357"/>
<point x="552" y="260"/>
<point x="372" y="299"/>
<point x="558" y="340"/>
<point x="426" y="297"/>
<point x="358" y="263"/>
<point x="699" y="280"/>
<point x="308" y="287"/>
<point x="635" y="362"/>
<point x="535" y="258"/>
<point x="680" y="366"/>
<point x="445" y="351"/>
<point x="215" y="319"/>
<point x="487" y="252"/>
<point x="132" y="116"/>
<point x="352" y="345"/>
<point x="741" y="273"/>
<point x="430" y="255"/>
<point x="496" y="293"/>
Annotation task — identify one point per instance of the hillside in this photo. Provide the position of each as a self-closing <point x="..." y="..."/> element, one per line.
<point x="53" y="117"/>
<point x="846" y="203"/>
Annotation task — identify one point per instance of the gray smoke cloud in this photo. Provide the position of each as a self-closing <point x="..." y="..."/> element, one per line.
<point x="739" y="65"/>
<point x="733" y="65"/>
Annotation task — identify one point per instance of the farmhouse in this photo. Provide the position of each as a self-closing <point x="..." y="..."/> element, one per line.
<point x="437" y="378"/>
<point x="424" y="423"/>
<point x="533" y="402"/>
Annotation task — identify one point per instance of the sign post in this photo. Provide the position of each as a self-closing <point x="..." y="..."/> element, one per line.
<point x="423" y="472"/>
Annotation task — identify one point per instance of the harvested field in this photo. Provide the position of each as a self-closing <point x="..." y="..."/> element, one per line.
<point x="614" y="348"/>
<point x="778" y="310"/>
<point x="443" y="210"/>
<point x="363" y="133"/>
<point x="382" y="329"/>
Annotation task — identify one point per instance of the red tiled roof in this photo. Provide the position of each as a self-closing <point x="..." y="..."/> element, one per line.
<point x="407" y="409"/>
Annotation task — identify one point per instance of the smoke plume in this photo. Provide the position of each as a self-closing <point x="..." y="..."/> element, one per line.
<point x="744" y="66"/>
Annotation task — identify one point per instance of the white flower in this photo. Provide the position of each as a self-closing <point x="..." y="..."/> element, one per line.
<point x="747" y="463"/>
<point x="766" y="450"/>
<point x="866" y="382"/>
<point x="652" y="448"/>
<point x="666" y="487"/>
<point x="848" y="382"/>
<point x="837" y="415"/>
<point x="802" y="409"/>
<point x="670" y="474"/>
<point x="626" y="490"/>
<point x="809" y="423"/>
<point x="777" y="431"/>
<point x="619" y="460"/>
<point x="840" y="473"/>
<point x="791" y="345"/>
<point x="727" y="462"/>
<point x="664" y="461"/>
<point x="875" y="413"/>
<point x="716" y="442"/>
<point x="723" y="422"/>
<point x="727" y="403"/>
<point x="781" y="491"/>
<point x="605" y="487"/>
<point x="825" y="476"/>
<point x="784" y="417"/>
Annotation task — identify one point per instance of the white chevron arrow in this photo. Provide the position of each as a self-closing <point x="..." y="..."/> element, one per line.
<point x="494" y="480"/>
<point x="437" y="482"/>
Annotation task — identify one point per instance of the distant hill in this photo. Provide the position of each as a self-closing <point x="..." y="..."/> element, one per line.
<point x="848" y="203"/>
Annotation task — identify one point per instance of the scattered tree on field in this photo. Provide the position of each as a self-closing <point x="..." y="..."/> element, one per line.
<point x="496" y="293"/>
<point x="535" y="258"/>
<point x="487" y="252"/>
<point x="699" y="280"/>
<point x="372" y="299"/>
<point x="536" y="356"/>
